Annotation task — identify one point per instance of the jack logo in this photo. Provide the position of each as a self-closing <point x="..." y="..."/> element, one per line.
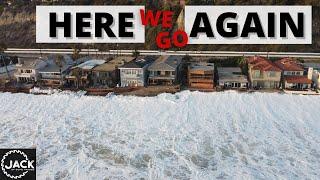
<point x="18" y="164"/>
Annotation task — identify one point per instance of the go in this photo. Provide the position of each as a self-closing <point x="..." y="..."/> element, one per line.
<point x="179" y="39"/>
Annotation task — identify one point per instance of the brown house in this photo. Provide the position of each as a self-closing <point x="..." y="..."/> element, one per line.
<point x="81" y="75"/>
<point x="165" y="71"/>
<point x="201" y="75"/>
<point x="108" y="74"/>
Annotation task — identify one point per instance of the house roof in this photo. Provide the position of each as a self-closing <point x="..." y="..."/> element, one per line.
<point x="52" y="67"/>
<point x="29" y="63"/>
<point x="201" y="67"/>
<point x="298" y="79"/>
<point x="288" y="64"/>
<point x="233" y="74"/>
<point x="88" y="65"/>
<point x="166" y="63"/>
<point x="139" y="62"/>
<point x="113" y="64"/>
<point x="4" y="59"/>
<point x="82" y="60"/>
<point x="262" y="64"/>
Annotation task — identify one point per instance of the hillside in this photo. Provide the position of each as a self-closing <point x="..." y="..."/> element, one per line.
<point x="17" y="26"/>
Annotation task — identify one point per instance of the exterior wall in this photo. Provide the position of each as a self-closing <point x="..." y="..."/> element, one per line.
<point x="51" y="82"/>
<point x="316" y="79"/>
<point x="163" y="77"/>
<point x="297" y="86"/>
<point x="233" y="84"/>
<point x="52" y="79"/>
<point x="133" y="77"/>
<point x="50" y="75"/>
<point x="79" y="78"/>
<point x="264" y="79"/>
<point x="104" y="78"/>
<point x="201" y="79"/>
<point x="266" y="84"/>
<point x="310" y="73"/>
<point x="293" y="73"/>
<point x="26" y="75"/>
<point x="29" y="74"/>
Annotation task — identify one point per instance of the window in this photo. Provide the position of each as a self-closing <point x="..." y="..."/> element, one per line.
<point x="272" y="74"/>
<point x="256" y="74"/>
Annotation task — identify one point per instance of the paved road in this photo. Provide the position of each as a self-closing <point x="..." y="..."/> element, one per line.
<point x="18" y="52"/>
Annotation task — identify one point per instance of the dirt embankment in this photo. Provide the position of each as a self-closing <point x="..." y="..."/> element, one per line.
<point x="17" y="29"/>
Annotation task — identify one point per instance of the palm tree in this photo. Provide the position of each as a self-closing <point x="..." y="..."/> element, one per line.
<point x="241" y="61"/>
<point x="77" y="74"/>
<point x="76" y="52"/>
<point x="60" y="61"/>
<point x="136" y="53"/>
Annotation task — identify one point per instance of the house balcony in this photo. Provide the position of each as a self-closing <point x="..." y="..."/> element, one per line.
<point x="162" y="77"/>
<point x="132" y="75"/>
<point x="201" y="80"/>
<point x="27" y="75"/>
<point x="50" y="77"/>
<point x="74" y="77"/>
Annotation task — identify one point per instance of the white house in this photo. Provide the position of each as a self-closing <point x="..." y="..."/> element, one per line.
<point x="28" y="69"/>
<point x="316" y="79"/>
<point x="232" y="78"/>
<point x="134" y="73"/>
<point x="313" y="72"/>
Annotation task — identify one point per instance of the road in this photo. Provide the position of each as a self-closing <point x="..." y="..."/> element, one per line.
<point x="16" y="51"/>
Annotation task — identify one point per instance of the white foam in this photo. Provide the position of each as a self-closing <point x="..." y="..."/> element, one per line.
<point x="188" y="135"/>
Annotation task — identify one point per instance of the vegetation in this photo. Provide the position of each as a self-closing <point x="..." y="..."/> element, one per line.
<point x="3" y="59"/>
<point x="59" y="60"/>
<point x="18" y="24"/>
<point x="136" y="53"/>
<point x="3" y="47"/>
<point x="76" y="52"/>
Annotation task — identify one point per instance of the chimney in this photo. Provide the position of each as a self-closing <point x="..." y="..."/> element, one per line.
<point x="20" y="61"/>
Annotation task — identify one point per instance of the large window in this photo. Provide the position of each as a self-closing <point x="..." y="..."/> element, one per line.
<point x="256" y="74"/>
<point x="272" y="74"/>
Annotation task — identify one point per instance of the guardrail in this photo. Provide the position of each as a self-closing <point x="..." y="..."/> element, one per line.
<point x="158" y="53"/>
